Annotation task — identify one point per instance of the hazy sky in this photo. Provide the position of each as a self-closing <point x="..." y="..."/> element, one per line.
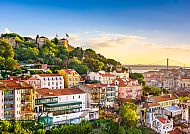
<point x="131" y="31"/>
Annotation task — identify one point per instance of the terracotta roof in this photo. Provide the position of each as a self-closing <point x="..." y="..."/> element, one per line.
<point x="15" y="84"/>
<point x="48" y="75"/>
<point x="175" y="131"/>
<point x="124" y="100"/>
<point x="23" y="77"/>
<point x="68" y="71"/>
<point x="107" y="74"/>
<point x="58" y="92"/>
<point x="152" y="104"/>
<point x="163" y="120"/>
<point x="182" y="94"/>
<point x="123" y="82"/>
<point x="164" y="98"/>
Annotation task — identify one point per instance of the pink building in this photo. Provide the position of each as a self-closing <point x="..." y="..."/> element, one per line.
<point x="128" y="88"/>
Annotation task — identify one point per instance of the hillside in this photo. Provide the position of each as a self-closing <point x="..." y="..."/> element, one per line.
<point x="56" y="52"/>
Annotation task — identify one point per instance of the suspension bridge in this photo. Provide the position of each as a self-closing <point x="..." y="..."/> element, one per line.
<point x="161" y="64"/>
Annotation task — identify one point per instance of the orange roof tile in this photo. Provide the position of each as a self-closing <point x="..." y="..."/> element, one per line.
<point x="58" y="92"/>
<point x="48" y="75"/>
<point x="164" y="98"/>
<point x="162" y="120"/>
<point x="152" y="104"/>
<point x="15" y="84"/>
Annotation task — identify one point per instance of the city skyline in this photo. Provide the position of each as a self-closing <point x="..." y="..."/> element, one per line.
<point x="133" y="32"/>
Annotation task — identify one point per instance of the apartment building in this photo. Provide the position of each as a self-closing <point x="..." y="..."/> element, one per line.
<point x="17" y="100"/>
<point x="162" y="125"/>
<point x="51" y="81"/>
<point x="102" y="76"/>
<point x="104" y="95"/>
<point x="59" y="106"/>
<point x="71" y="78"/>
<point x="128" y="88"/>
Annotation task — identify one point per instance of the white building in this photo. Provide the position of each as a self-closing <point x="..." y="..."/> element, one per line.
<point x="67" y="105"/>
<point x="51" y="81"/>
<point x="102" y="76"/>
<point x="162" y="125"/>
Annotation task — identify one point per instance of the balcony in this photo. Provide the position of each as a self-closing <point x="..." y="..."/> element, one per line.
<point x="51" y="100"/>
<point x="9" y="108"/>
<point x="9" y="102"/>
<point x="8" y="95"/>
<point x="9" y="116"/>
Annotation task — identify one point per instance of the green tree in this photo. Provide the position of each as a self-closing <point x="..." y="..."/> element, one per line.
<point x="134" y="131"/>
<point x="18" y="40"/>
<point x="121" y="130"/>
<point x="129" y="115"/>
<point x="6" y="50"/>
<point x="10" y="64"/>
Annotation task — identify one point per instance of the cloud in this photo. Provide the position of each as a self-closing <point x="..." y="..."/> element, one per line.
<point x="74" y="37"/>
<point x="7" y="30"/>
<point x="105" y="40"/>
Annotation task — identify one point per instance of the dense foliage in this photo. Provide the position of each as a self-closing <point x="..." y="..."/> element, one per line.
<point x="139" y="77"/>
<point x="56" y="54"/>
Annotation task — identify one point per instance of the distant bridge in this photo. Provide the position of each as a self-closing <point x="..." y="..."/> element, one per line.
<point x="159" y="65"/>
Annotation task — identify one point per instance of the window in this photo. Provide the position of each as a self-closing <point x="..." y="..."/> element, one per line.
<point x="79" y="96"/>
<point x="73" y="97"/>
<point x="52" y="83"/>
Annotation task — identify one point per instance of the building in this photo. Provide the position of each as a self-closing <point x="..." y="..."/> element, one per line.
<point x="51" y="81"/>
<point x="28" y="79"/>
<point x="121" y="74"/>
<point x="17" y="100"/>
<point x="41" y="41"/>
<point x="153" y="78"/>
<point x="102" y="76"/>
<point x="164" y="105"/>
<point x="162" y="125"/>
<point x="71" y="78"/>
<point x="128" y="88"/>
<point x="103" y="95"/>
<point x="68" y="105"/>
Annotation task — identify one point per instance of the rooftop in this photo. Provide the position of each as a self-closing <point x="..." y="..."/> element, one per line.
<point x="15" y="84"/>
<point x="48" y="75"/>
<point x="163" y="120"/>
<point x="58" y="92"/>
<point x="172" y="109"/>
<point x="151" y="104"/>
<point x="164" y="98"/>
<point x="182" y="94"/>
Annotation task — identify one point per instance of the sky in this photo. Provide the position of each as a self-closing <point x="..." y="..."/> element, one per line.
<point x="130" y="31"/>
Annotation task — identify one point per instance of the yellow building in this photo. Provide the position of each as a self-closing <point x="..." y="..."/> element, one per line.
<point x="71" y="77"/>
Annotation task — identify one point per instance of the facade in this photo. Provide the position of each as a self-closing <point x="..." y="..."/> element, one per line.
<point x="128" y="88"/>
<point x="71" y="78"/>
<point x="41" y="40"/>
<point x="68" y="105"/>
<point x="51" y="81"/>
<point x="121" y="74"/>
<point x="102" y="76"/>
<point x="162" y="125"/>
<point x="17" y="100"/>
<point x="167" y="106"/>
<point x="103" y="95"/>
